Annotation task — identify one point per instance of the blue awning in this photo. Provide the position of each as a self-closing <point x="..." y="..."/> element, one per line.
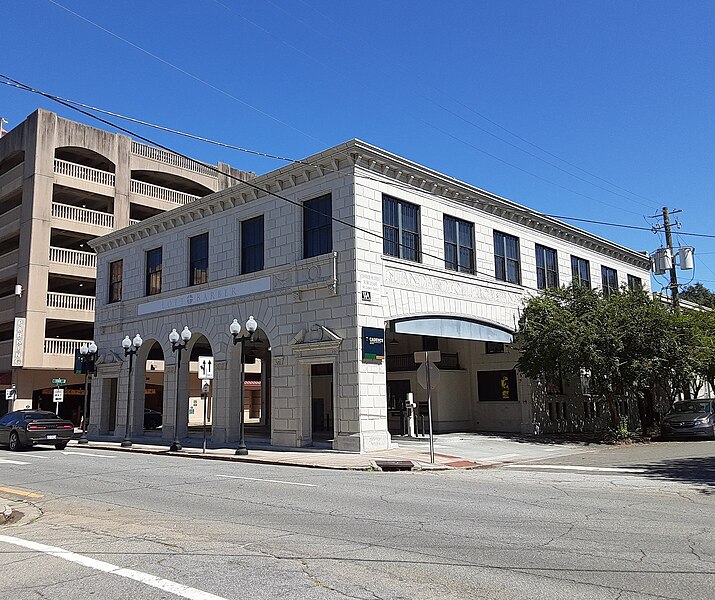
<point x="446" y="327"/>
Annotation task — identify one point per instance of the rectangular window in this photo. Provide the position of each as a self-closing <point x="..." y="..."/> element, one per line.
<point x="153" y="272"/>
<point x="317" y="226"/>
<point x="199" y="259"/>
<point x="547" y="268"/>
<point x="494" y="386"/>
<point x="609" y="280"/>
<point x="493" y="347"/>
<point x="634" y="283"/>
<point x="115" y="281"/>
<point x="458" y="245"/>
<point x="252" y="245"/>
<point x="401" y="229"/>
<point x="507" y="265"/>
<point x="581" y="272"/>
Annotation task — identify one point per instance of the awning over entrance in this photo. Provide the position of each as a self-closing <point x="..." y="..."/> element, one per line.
<point x="452" y="327"/>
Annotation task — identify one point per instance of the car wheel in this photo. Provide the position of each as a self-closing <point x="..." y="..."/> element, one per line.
<point x="15" y="444"/>
<point x="61" y="445"/>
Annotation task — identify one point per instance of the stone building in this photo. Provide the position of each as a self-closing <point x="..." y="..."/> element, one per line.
<point x="351" y="246"/>
<point x="62" y="184"/>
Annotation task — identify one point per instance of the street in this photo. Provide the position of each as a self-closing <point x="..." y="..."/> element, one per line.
<point x="624" y="522"/>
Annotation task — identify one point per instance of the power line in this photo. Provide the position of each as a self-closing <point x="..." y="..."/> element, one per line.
<point x="76" y="105"/>
<point x="185" y="72"/>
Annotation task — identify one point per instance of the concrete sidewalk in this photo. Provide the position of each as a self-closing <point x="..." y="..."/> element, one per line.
<point x="387" y="460"/>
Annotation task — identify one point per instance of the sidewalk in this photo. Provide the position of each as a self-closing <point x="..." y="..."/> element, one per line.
<point x="402" y="459"/>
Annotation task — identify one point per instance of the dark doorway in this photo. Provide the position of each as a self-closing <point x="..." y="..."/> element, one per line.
<point x="397" y="391"/>
<point x="321" y="398"/>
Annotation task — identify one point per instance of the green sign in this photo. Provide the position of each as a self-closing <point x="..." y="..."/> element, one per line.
<point x="59" y="381"/>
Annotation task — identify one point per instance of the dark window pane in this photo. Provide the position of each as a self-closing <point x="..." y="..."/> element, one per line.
<point x="400" y="229"/>
<point x="609" y="280"/>
<point x="115" y="281"/>
<point x="317" y="226"/>
<point x="199" y="259"/>
<point x="252" y="245"/>
<point x="153" y="271"/>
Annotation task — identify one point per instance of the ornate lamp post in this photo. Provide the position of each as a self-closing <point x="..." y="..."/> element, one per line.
<point x="88" y="353"/>
<point x="178" y="343"/>
<point x="130" y="349"/>
<point x="238" y="336"/>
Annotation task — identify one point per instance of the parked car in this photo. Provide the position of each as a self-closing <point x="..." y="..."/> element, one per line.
<point x="25" y="428"/>
<point x="690" y="418"/>
<point x="152" y="419"/>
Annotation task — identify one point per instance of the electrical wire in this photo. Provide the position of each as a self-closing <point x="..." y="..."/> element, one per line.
<point x="185" y="72"/>
<point x="74" y="103"/>
<point x="457" y="138"/>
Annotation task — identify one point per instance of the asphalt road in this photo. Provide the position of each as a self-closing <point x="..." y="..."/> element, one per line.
<point x="618" y="523"/>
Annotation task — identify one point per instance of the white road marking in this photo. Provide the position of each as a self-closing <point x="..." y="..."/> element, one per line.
<point x="165" y="585"/>
<point x="500" y="457"/>
<point x="267" y="480"/>
<point x="74" y="453"/>
<point x="9" y="461"/>
<point x="580" y="468"/>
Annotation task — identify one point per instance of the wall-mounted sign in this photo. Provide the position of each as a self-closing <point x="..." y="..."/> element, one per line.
<point x="370" y="288"/>
<point x="373" y="343"/>
<point x="18" y="342"/>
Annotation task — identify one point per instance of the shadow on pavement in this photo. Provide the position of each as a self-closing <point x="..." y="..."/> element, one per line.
<point x="697" y="470"/>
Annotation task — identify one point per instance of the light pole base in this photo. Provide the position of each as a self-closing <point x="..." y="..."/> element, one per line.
<point x="175" y="447"/>
<point x="242" y="451"/>
<point x="126" y="444"/>
<point x="83" y="440"/>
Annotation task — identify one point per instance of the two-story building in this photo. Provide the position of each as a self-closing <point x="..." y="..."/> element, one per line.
<point x="351" y="246"/>
<point x="62" y="184"/>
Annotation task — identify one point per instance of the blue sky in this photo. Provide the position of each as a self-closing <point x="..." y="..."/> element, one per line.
<point x="600" y="110"/>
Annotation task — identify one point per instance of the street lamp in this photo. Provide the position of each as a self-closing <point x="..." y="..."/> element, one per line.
<point x="130" y="349"/>
<point x="178" y="343"/>
<point x="238" y="336"/>
<point x="87" y="353"/>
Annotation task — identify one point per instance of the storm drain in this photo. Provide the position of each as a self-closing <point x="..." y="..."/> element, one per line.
<point x="394" y="465"/>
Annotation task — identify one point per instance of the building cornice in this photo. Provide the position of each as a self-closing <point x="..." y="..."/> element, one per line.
<point x="358" y="155"/>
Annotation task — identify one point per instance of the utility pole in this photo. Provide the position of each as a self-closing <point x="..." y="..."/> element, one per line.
<point x="673" y="272"/>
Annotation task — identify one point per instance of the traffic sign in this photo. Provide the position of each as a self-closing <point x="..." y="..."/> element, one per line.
<point x="59" y="381"/>
<point x="58" y="395"/>
<point x="206" y="367"/>
<point x="10" y="393"/>
<point x="433" y="375"/>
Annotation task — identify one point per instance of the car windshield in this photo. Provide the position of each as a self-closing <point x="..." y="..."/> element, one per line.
<point x="40" y="415"/>
<point x="690" y="407"/>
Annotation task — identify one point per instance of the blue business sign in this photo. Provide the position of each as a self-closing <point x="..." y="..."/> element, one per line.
<point x="373" y="343"/>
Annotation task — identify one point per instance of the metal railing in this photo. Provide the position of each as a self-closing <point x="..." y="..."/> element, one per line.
<point x="70" y="301"/>
<point x="151" y="190"/>
<point x="63" y="347"/>
<point x="82" y="215"/>
<point x="170" y="158"/>
<point x="406" y="362"/>
<point x="64" y="167"/>
<point x="73" y="257"/>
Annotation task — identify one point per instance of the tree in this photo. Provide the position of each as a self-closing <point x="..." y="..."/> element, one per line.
<point x="699" y="294"/>
<point x="629" y="342"/>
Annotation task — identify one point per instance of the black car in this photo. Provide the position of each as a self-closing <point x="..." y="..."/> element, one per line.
<point x="24" y="428"/>
<point x="690" y="418"/>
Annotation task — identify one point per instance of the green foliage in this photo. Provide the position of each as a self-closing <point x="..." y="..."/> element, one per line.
<point x="628" y="341"/>
<point x="699" y="294"/>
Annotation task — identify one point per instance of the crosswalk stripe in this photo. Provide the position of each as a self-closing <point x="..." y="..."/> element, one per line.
<point x="9" y="461"/>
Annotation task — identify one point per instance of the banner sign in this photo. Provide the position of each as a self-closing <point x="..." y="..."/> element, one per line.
<point x="373" y="343"/>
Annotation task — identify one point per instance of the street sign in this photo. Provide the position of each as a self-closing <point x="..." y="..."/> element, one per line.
<point x="59" y="381"/>
<point x="10" y="393"/>
<point x="433" y="375"/>
<point x="205" y="383"/>
<point x="58" y="395"/>
<point x="431" y="356"/>
<point x="206" y="367"/>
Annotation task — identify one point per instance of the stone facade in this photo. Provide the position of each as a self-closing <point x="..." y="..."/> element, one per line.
<point x="311" y="311"/>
